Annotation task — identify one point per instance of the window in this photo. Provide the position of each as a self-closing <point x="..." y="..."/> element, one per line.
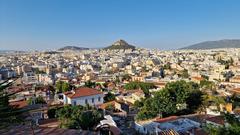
<point x="92" y="100"/>
<point x="86" y="101"/>
<point x="99" y="99"/>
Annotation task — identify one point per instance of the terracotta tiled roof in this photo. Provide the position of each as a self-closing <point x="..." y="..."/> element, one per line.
<point x="19" y="104"/>
<point x="27" y="130"/>
<point x="237" y="77"/>
<point x="167" y="119"/>
<point x="160" y="83"/>
<point x="104" y="105"/>
<point x="199" y="131"/>
<point x="197" y="78"/>
<point x="100" y="81"/>
<point x="49" y="123"/>
<point x="217" y="120"/>
<point x="237" y="90"/>
<point x="82" y="92"/>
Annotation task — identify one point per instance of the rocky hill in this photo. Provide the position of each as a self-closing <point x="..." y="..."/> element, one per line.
<point x="120" y="44"/>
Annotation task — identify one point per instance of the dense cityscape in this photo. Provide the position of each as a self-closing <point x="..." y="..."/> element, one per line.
<point x="119" y="67"/>
<point x="120" y="89"/>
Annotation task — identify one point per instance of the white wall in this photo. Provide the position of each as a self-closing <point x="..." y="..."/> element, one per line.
<point x="81" y="100"/>
<point x="140" y="128"/>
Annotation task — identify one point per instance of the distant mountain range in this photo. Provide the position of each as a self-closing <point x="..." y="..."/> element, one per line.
<point x="72" y="48"/>
<point x="226" y="43"/>
<point x="11" y="51"/>
<point x="120" y="44"/>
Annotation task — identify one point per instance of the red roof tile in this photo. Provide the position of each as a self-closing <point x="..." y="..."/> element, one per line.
<point x="236" y="90"/>
<point x="82" y="92"/>
<point x="197" y="78"/>
<point x="199" y="131"/>
<point x="105" y="105"/>
<point x="217" y="120"/>
<point x="167" y="119"/>
<point x="19" y="104"/>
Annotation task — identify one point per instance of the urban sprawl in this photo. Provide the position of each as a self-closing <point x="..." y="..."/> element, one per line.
<point x="120" y="90"/>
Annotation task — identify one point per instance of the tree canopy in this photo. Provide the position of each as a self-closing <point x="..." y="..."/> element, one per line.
<point x="79" y="117"/>
<point x="167" y="101"/>
<point x="109" y="97"/>
<point x="206" y="84"/>
<point x="8" y="114"/>
<point x="62" y="86"/>
<point x="38" y="100"/>
<point x="184" y="73"/>
<point x="140" y="85"/>
<point x="90" y="84"/>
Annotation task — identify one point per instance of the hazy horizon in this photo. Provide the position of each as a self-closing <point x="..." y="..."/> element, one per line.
<point x="173" y="24"/>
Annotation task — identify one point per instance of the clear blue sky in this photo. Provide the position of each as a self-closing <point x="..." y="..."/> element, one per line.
<point x="163" y="24"/>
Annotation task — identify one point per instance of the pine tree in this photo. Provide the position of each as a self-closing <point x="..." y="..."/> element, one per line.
<point x="8" y="114"/>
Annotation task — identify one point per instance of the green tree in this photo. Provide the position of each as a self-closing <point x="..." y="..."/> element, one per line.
<point x="184" y="73"/>
<point x="109" y="97"/>
<point x="205" y="77"/>
<point x="37" y="71"/>
<point x="90" y="84"/>
<point x="40" y="100"/>
<point x="37" y="100"/>
<point x="167" y="66"/>
<point x="139" y="103"/>
<point x="147" y="112"/>
<point x="233" y="127"/>
<point x="235" y="99"/>
<point x="218" y="100"/>
<point x="140" y="85"/>
<point x="79" y="117"/>
<point x="231" y="61"/>
<point x="62" y="86"/>
<point x="206" y="84"/>
<point x="163" y="103"/>
<point x="52" y="89"/>
<point x="110" y="107"/>
<point x="126" y="77"/>
<point x="166" y="101"/>
<point x="8" y="114"/>
<point x="59" y="86"/>
<point x="160" y="104"/>
<point x="52" y="112"/>
<point x="117" y="80"/>
<point x="65" y="86"/>
<point x="179" y="90"/>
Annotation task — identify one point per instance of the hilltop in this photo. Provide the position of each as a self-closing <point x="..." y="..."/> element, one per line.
<point x="226" y="43"/>
<point x="120" y="44"/>
<point x="72" y="48"/>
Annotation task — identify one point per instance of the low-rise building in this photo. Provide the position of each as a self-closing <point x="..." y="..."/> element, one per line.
<point x="235" y="79"/>
<point x="83" y="96"/>
<point x="216" y="121"/>
<point x="155" y="126"/>
<point x="29" y="78"/>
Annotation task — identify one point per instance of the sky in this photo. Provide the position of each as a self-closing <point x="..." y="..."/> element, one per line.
<point x="163" y="24"/>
